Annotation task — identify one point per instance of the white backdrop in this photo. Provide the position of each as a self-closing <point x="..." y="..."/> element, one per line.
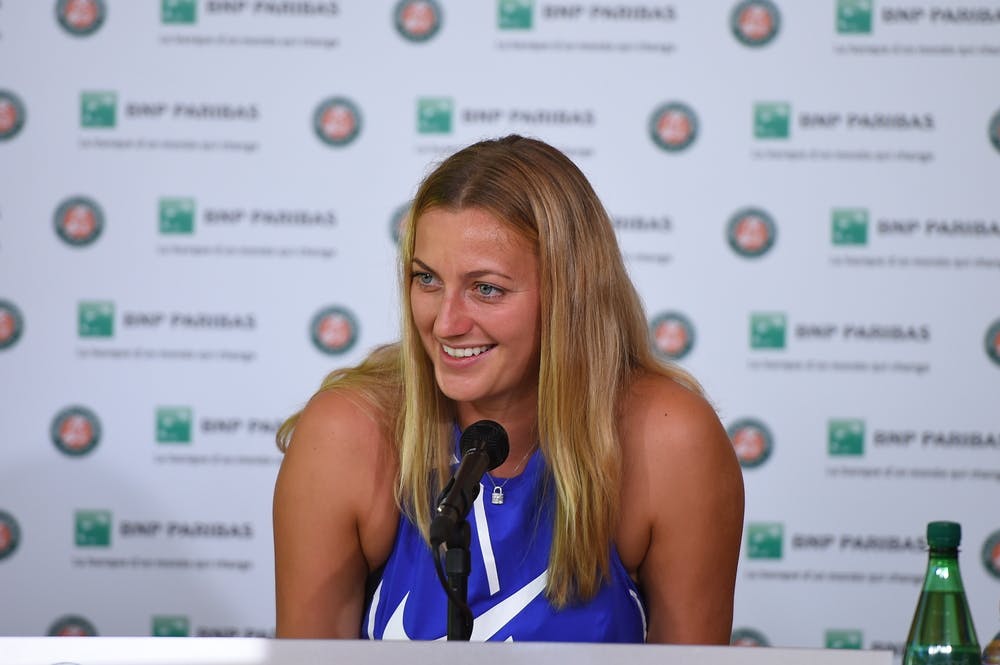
<point x="197" y="212"/>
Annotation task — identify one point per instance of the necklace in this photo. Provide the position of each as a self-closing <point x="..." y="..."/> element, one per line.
<point x="496" y="498"/>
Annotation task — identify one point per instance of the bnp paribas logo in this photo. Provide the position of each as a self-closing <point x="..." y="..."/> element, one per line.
<point x="991" y="554"/>
<point x="843" y="639"/>
<point x="751" y="232"/>
<point x="849" y="226"/>
<point x="992" y="340"/>
<point x="75" y="431"/>
<point x="995" y="130"/>
<point x="765" y="540"/>
<point x="755" y="22"/>
<point x="95" y="318"/>
<point x="171" y="626"/>
<point x="434" y="115"/>
<point x="337" y="121"/>
<point x="72" y="625"/>
<point x="334" y="330"/>
<point x="173" y="424"/>
<point x="845" y="437"/>
<point x="748" y="637"/>
<point x="772" y="120"/>
<point x="672" y="335"/>
<point x="10" y="534"/>
<point x="179" y="12"/>
<point x="397" y="222"/>
<point x="673" y="126"/>
<point x="177" y="215"/>
<point x="81" y="17"/>
<point x="11" y="324"/>
<point x="767" y="330"/>
<point x="93" y="528"/>
<point x="515" y="14"/>
<point x="11" y="115"/>
<point x="98" y="109"/>
<point x="752" y="441"/>
<point x="417" y="20"/>
<point x="78" y="221"/>
<point x="854" y="17"/>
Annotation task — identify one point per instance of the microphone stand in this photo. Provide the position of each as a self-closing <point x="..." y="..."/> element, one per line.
<point x="457" y="565"/>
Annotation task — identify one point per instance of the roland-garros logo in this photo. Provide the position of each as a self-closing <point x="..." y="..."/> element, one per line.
<point x="672" y="335"/>
<point x="755" y="22"/>
<point x="995" y="130"/>
<point x="417" y="20"/>
<point x="81" y="17"/>
<point x="397" y="222"/>
<point x="751" y="232"/>
<point x="337" y="121"/>
<point x="748" y="637"/>
<point x="11" y="115"/>
<point x="11" y="324"/>
<point x="75" y="431"/>
<point x="10" y="535"/>
<point x="673" y="126"/>
<point x="992" y="341"/>
<point x="752" y="442"/>
<point x="334" y="330"/>
<point x="78" y="221"/>
<point x="72" y="626"/>
<point x="991" y="554"/>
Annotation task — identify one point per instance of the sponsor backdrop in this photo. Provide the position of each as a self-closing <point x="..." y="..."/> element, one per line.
<point x="198" y="220"/>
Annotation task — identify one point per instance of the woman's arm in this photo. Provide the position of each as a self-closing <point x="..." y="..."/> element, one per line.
<point x="683" y="505"/>
<point x="334" y="518"/>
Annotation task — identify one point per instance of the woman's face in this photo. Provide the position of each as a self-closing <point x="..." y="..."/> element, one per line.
<point x="475" y="303"/>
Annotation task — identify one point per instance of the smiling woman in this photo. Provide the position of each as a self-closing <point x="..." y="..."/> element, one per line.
<point x="516" y="307"/>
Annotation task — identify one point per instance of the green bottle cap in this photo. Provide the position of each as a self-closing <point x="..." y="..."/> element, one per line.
<point x="944" y="534"/>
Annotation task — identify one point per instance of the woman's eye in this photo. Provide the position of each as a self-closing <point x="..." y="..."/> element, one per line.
<point x="488" y="291"/>
<point x="423" y="278"/>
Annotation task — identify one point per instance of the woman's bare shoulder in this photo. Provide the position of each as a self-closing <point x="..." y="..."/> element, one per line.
<point x="661" y="415"/>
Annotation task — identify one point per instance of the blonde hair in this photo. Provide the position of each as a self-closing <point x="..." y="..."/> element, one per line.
<point x="594" y="340"/>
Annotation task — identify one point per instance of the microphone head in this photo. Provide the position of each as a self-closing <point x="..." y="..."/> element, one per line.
<point x="488" y="437"/>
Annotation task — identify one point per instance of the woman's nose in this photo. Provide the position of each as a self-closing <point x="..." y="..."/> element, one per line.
<point x="452" y="318"/>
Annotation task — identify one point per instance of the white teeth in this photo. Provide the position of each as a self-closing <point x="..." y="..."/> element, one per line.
<point x="465" y="353"/>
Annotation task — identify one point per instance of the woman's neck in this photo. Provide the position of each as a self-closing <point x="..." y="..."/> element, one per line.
<point x="521" y="426"/>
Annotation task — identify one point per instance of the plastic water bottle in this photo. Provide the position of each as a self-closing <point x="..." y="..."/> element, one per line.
<point x="942" y="632"/>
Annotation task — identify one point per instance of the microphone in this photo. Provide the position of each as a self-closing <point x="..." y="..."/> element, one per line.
<point x="484" y="447"/>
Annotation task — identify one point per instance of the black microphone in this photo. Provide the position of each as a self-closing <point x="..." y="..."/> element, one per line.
<point x="484" y="447"/>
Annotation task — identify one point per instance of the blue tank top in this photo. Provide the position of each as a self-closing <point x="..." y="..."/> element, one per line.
<point x="509" y="554"/>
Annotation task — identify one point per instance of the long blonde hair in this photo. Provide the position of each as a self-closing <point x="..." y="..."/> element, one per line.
<point x="594" y="341"/>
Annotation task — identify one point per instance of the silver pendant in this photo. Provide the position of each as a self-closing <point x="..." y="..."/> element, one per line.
<point x="497" y="497"/>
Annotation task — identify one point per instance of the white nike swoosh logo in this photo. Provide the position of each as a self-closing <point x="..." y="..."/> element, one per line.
<point x="487" y="624"/>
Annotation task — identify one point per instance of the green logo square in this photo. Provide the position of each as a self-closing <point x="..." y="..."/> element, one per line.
<point x="179" y="11"/>
<point x="93" y="528"/>
<point x="171" y="626"/>
<point x="515" y="14"/>
<point x="98" y="109"/>
<point x="844" y="639"/>
<point x="854" y="17"/>
<point x="772" y="120"/>
<point x="845" y="437"/>
<point x="177" y="215"/>
<point x="767" y="330"/>
<point x="849" y="226"/>
<point x="95" y="319"/>
<point x="434" y="115"/>
<point x="173" y="424"/>
<point x="764" y="540"/>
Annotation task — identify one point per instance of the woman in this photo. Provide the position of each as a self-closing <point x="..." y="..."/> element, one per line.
<point x="621" y="500"/>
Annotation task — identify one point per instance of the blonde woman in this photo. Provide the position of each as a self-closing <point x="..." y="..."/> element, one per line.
<point x="619" y="508"/>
